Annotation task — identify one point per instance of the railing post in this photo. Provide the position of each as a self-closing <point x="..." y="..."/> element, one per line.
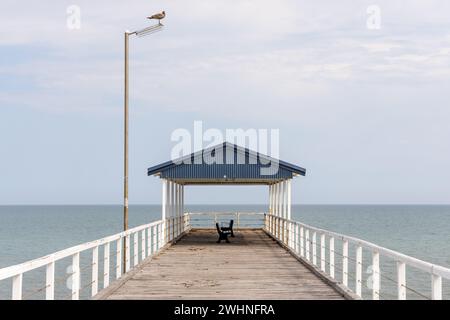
<point x="307" y="244"/>
<point x="17" y="287"/>
<point x="118" y="258"/>
<point x="76" y="276"/>
<point x="159" y="231"/>
<point x="127" y="253"/>
<point x="322" y="252"/>
<point x="143" y="244"/>
<point x="106" y="265"/>
<point x="291" y="234"/>
<point x="173" y="228"/>
<point x="50" y="281"/>
<point x="436" y="287"/>
<point x="277" y="227"/>
<point x="302" y="242"/>
<point x="401" y="280"/>
<point x="358" y="269"/>
<point x="332" y="257"/>
<point x="153" y="228"/>
<point x="314" y="248"/>
<point x="149" y="241"/>
<point x="135" y="248"/>
<point x="375" y="275"/>
<point x="297" y="242"/>
<point x="345" y="263"/>
<point x="94" y="284"/>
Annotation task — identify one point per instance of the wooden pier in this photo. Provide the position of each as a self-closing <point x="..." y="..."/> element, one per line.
<point x="252" y="266"/>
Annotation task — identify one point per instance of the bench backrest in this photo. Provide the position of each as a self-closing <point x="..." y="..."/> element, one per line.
<point x="218" y="229"/>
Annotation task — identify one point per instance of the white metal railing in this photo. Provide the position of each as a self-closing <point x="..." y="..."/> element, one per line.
<point x="304" y="240"/>
<point x="242" y="220"/>
<point x="316" y="247"/>
<point x="139" y="243"/>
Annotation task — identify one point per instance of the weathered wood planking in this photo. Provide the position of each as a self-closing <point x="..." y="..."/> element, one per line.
<point x="252" y="266"/>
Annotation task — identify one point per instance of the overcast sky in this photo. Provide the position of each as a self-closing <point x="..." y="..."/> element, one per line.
<point x="365" y="111"/>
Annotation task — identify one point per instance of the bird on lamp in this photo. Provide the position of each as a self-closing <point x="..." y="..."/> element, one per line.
<point x="158" y="16"/>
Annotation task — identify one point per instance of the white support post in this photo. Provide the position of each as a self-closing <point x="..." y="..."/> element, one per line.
<point x="314" y="248"/>
<point x="275" y="210"/>
<point x="17" y="287"/>
<point x="175" y="210"/>
<point x="297" y="235"/>
<point x="182" y="200"/>
<point x="280" y="200"/>
<point x="375" y="275"/>
<point x="332" y="257"/>
<point x="275" y="199"/>
<point x="345" y="263"/>
<point x="94" y="284"/>
<point x="289" y="199"/>
<point x="167" y="232"/>
<point x="285" y="198"/>
<point x="322" y="252"/>
<point x="401" y="280"/>
<point x="178" y="209"/>
<point x="358" y="268"/>
<point x="164" y="205"/>
<point x="76" y="276"/>
<point x="270" y="199"/>
<point x="283" y="222"/>
<point x="436" y="287"/>
<point x="106" y="265"/>
<point x="118" y="258"/>
<point x="50" y="281"/>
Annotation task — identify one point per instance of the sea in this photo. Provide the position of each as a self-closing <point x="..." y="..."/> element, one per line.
<point x="421" y="231"/>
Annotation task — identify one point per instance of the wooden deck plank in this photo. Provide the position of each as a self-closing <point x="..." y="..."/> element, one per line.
<point x="252" y="266"/>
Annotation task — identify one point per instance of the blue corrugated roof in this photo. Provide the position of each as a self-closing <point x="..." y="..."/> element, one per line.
<point x="231" y="163"/>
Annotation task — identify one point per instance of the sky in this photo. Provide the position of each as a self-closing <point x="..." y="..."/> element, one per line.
<point x="364" y="109"/>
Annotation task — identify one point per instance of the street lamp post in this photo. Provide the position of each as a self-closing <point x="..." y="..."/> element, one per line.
<point x="139" y="33"/>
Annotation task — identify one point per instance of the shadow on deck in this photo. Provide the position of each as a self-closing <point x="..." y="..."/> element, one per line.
<point x="252" y="266"/>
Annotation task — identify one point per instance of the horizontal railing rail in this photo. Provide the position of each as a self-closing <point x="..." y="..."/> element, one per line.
<point x="138" y="243"/>
<point x="242" y="220"/>
<point x="305" y="240"/>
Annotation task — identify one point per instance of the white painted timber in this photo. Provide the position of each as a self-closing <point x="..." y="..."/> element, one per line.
<point x="94" y="285"/>
<point x="401" y="280"/>
<point x="358" y="271"/>
<point x="345" y="263"/>
<point x="106" y="250"/>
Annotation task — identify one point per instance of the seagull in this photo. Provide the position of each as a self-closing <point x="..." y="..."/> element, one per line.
<point x="158" y="16"/>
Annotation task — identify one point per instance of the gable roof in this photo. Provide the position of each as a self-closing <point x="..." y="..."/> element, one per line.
<point x="228" y="163"/>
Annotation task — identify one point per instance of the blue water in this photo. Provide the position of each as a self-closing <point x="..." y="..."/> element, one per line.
<point x="28" y="232"/>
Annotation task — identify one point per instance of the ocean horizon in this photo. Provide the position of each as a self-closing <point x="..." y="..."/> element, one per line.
<point x="421" y="231"/>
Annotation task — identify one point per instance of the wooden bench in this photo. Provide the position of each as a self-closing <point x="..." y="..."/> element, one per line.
<point x="223" y="234"/>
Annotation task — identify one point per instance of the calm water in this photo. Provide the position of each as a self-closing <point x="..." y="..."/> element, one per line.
<point x="28" y="232"/>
